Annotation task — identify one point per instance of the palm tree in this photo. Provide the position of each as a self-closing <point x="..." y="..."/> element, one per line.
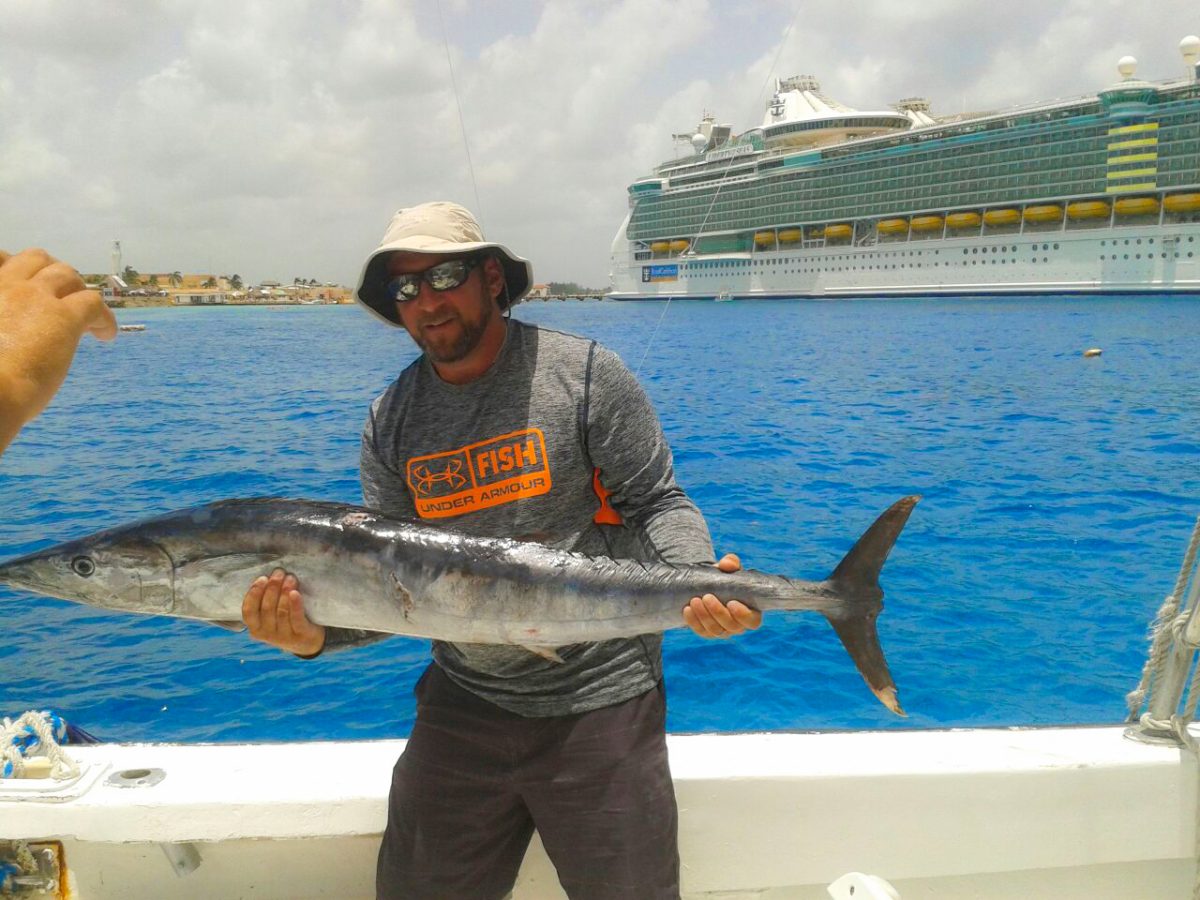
<point x="175" y="279"/>
<point x="235" y="282"/>
<point x="153" y="282"/>
<point x="210" y="282"/>
<point x="130" y="276"/>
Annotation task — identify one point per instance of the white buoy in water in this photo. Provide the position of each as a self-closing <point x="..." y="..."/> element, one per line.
<point x="1092" y="351"/>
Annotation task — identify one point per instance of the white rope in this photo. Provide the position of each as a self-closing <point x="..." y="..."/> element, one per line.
<point x="1169" y="625"/>
<point x="1169" y="631"/>
<point x="31" y="734"/>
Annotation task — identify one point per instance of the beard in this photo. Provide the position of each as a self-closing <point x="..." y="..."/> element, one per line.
<point x="455" y="343"/>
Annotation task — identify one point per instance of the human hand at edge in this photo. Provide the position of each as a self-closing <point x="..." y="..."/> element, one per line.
<point x="710" y="618"/>
<point x="45" y="309"/>
<point x="273" y="611"/>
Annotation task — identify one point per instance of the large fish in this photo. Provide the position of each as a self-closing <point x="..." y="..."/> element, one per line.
<point x="360" y="569"/>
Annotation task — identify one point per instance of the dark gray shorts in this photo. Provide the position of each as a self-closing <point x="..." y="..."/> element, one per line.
<point x="475" y="780"/>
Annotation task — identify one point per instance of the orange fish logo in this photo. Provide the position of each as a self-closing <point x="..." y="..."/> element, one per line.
<point x="479" y="476"/>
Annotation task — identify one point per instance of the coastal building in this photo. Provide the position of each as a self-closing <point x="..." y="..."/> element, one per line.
<point x="204" y="289"/>
<point x="200" y="298"/>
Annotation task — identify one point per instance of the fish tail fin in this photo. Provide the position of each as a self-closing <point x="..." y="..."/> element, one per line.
<point x="856" y="582"/>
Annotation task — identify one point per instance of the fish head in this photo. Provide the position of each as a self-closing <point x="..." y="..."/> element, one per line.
<point x="111" y="570"/>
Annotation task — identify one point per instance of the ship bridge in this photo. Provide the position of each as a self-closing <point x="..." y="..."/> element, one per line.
<point x="799" y="115"/>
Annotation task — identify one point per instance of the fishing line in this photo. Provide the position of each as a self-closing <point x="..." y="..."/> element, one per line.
<point x="758" y="102"/>
<point x="653" y="334"/>
<point x="461" y="121"/>
<point x="721" y="183"/>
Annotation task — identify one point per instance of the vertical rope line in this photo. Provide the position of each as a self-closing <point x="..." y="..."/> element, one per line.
<point x="720" y="184"/>
<point x="461" y="121"/>
<point x="774" y="65"/>
<point x="1166" y="628"/>
<point x="653" y="335"/>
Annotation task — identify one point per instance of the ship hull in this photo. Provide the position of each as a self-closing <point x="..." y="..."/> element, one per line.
<point x="1134" y="259"/>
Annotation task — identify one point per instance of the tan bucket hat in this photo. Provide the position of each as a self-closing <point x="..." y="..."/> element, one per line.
<point x="435" y="228"/>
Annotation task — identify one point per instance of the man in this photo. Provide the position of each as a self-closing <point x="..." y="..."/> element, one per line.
<point x="44" y="310"/>
<point x="506" y="429"/>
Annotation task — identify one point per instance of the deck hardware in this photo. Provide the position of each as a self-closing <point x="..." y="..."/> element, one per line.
<point x="135" y="778"/>
<point x="31" y="870"/>
<point x="184" y="858"/>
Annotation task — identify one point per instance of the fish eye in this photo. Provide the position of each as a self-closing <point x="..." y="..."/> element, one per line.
<point x="83" y="565"/>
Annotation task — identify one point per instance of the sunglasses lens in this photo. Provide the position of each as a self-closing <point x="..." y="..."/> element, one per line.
<point x="404" y="287"/>
<point x="447" y="275"/>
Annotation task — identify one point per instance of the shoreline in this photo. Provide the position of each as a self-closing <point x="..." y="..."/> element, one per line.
<point x="166" y="303"/>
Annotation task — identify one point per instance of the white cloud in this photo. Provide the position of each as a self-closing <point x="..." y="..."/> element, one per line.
<point x="276" y="139"/>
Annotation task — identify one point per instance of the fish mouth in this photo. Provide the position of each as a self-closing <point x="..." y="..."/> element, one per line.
<point x="26" y="584"/>
<point x="11" y="574"/>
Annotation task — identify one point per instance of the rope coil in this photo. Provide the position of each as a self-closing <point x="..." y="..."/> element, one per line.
<point x="35" y="734"/>
<point x="16" y="860"/>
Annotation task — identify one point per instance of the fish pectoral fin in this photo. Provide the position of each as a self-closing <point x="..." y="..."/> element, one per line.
<point x="550" y="654"/>
<point x="228" y="626"/>
<point x="231" y="566"/>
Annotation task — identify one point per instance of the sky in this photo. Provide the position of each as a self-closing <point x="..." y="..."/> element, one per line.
<point x="275" y="138"/>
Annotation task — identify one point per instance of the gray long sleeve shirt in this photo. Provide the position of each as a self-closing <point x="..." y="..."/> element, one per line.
<point x="520" y="453"/>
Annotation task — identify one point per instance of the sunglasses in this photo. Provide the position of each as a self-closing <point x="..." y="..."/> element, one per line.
<point x="442" y="277"/>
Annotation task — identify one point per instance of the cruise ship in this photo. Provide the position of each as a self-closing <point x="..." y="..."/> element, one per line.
<point x="1093" y="195"/>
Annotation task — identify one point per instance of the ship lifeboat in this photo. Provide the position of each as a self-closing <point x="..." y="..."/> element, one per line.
<point x="1137" y="206"/>
<point x="1002" y="216"/>
<point x="963" y="220"/>
<point x="660" y="246"/>
<point x="892" y="226"/>
<point x="927" y="223"/>
<point x="839" y="232"/>
<point x="1181" y="203"/>
<point x="1044" y="212"/>
<point x="1088" y="209"/>
<point x="678" y="246"/>
<point x="764" y="238"/>
<point x="789" y="235"/>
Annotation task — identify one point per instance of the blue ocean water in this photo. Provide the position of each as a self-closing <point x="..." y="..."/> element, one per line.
<point x="1059" y="495"/>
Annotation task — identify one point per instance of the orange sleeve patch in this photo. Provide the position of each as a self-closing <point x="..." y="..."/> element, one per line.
<point x="605" y="515"/>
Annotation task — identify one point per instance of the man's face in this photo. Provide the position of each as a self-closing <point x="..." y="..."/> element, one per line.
<point x="447" y="325"/>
